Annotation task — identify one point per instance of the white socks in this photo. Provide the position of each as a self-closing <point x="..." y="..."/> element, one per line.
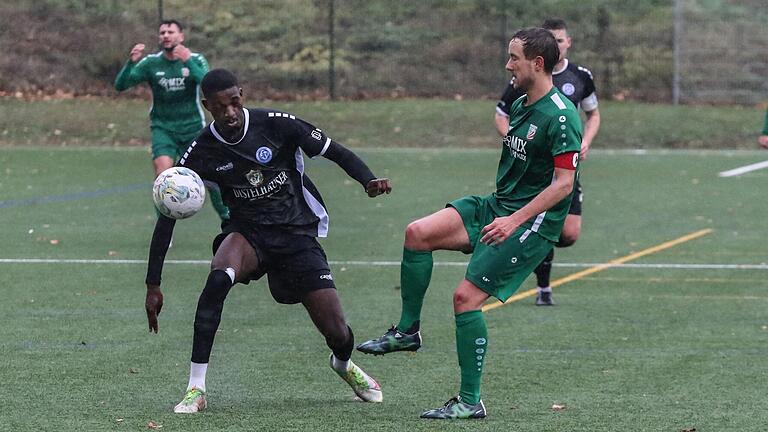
<point x="339" y="366"/>
<point x="197" y="375"/>
<point x="545" y="289"/>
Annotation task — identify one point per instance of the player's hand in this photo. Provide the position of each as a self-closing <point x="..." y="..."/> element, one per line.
<point x="378" y="186"/>
<point x="499" y="230"/>
<point x="583" y="153"/>
<point x="182" y="53"/>
<point x="763" y="140"/>
<point x="153" y="304"/>
<point x="136" y="52"/>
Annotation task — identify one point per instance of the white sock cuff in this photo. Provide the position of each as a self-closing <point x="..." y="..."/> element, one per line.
<point x="231" y="273"/>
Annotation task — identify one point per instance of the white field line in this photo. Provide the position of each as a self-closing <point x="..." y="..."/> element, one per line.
<point x="676" y="266"/>
<point x="745" y="169"/>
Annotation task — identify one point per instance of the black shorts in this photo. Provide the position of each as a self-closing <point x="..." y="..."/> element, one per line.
<point x="578" y="197"/>
<point x="295" y="264"/>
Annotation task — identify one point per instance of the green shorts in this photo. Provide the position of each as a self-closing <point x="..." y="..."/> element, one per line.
<point x="498" y="270"/>
<point x="171" y="144"/>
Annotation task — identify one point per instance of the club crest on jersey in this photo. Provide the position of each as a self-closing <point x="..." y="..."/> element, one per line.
<point x="264" y="154"/>
<point x="255" y="177"/>
<point x="531" y="131"/>
<point x="568" y="89"/>
<point x="184" y="72"/>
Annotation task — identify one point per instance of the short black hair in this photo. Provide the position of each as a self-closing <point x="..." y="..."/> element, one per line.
<point x="172" y="21"/>
<point x="554" y="24"/>
<point x="217" y="80"/>
<point x="539" y="42"/>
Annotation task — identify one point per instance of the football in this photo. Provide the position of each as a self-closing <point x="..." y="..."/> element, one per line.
<point x="178" y="193"/>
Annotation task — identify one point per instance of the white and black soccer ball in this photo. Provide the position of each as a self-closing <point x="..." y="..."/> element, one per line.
<point x="178" y="193"/>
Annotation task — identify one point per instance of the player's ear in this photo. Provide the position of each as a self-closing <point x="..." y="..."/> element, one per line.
<point x="205" y="104"/>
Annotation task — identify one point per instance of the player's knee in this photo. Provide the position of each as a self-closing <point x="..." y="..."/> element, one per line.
<point x="415" y="236"/>
<point x="461" y="300"/>
<point x="568" y="238"/>
<point x="217" y="287"/>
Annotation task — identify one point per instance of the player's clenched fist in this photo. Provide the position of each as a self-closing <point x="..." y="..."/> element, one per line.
<point x="153" y="304"/>
<point x="136" y="52"/>
<point x="182" y="53"/>
<point x="378" y="186"/>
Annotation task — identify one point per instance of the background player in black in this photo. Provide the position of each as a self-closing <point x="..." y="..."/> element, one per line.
<point x="576" y="83"/>
<point x="255" y="157"/>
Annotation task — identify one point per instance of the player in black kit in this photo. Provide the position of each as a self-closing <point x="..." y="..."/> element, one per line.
<point x="255" y="157"/>
<point x="576" y="83"/>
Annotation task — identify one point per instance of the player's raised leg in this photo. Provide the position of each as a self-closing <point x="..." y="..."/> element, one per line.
<point x="441" y="230"/>
<point x="325" y="310"/>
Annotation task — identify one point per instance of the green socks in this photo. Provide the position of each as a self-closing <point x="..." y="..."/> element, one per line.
<point x="415" y="274"/>
<point x="471" y="347"/>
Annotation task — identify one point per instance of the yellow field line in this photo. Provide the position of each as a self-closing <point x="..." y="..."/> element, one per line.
<point x="601" y="267"/>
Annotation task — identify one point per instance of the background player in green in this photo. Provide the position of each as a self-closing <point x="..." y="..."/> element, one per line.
<point x="507" y="232"/>
<point x="577" y="84"/>
<point x="174" y="74"/>
<point x="763" y="138"/>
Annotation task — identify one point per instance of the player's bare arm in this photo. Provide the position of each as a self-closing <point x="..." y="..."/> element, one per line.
<point x="137" y="52"/>
<point x="591" y="126"/>
<point x="502" y="124"/>
<point x="502" y="227"/>
<point x="763" y="140"/>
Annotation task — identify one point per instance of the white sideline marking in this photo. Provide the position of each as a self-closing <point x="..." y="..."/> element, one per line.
<point x="745" y="169"/>
<point x="679" y="266"/>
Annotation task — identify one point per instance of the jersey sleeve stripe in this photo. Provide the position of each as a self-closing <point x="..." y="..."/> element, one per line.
<point x="325" y="147"/>
<point x="186" y="154"/>
<point x="559" y="102"/>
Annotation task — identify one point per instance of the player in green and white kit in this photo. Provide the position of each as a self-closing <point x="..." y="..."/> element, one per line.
<point x="507" y="232"/>
<point x="176" y="118"/>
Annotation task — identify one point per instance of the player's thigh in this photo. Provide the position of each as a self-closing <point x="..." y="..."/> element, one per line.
<point x="237" y="253"/>
<point x="443" y="229"/>
<point x="164" y="143"/>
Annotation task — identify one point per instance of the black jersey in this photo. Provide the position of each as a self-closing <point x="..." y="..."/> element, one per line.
<point x="575" y="82"/>
<point x="261" y="176"/>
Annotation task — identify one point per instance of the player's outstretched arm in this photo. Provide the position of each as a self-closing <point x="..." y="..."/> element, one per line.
<point x="357" y="169"/>
<point x="161" y="239"/>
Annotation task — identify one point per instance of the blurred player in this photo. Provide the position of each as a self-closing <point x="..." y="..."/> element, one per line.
<point x="576" y="83"/>
<point x="763" y="139"/>
<point x="507" y="232"/>
<point x="255" y="157"/>
<point x="176" y="118"/>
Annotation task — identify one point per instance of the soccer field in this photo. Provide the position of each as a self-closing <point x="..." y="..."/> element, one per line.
<point x="671" y="337"/>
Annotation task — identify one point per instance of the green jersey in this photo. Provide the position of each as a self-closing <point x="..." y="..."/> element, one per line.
<point x="537" y="133"/>
<point x="175" y="90"/>
<point x="765" y="126"/>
